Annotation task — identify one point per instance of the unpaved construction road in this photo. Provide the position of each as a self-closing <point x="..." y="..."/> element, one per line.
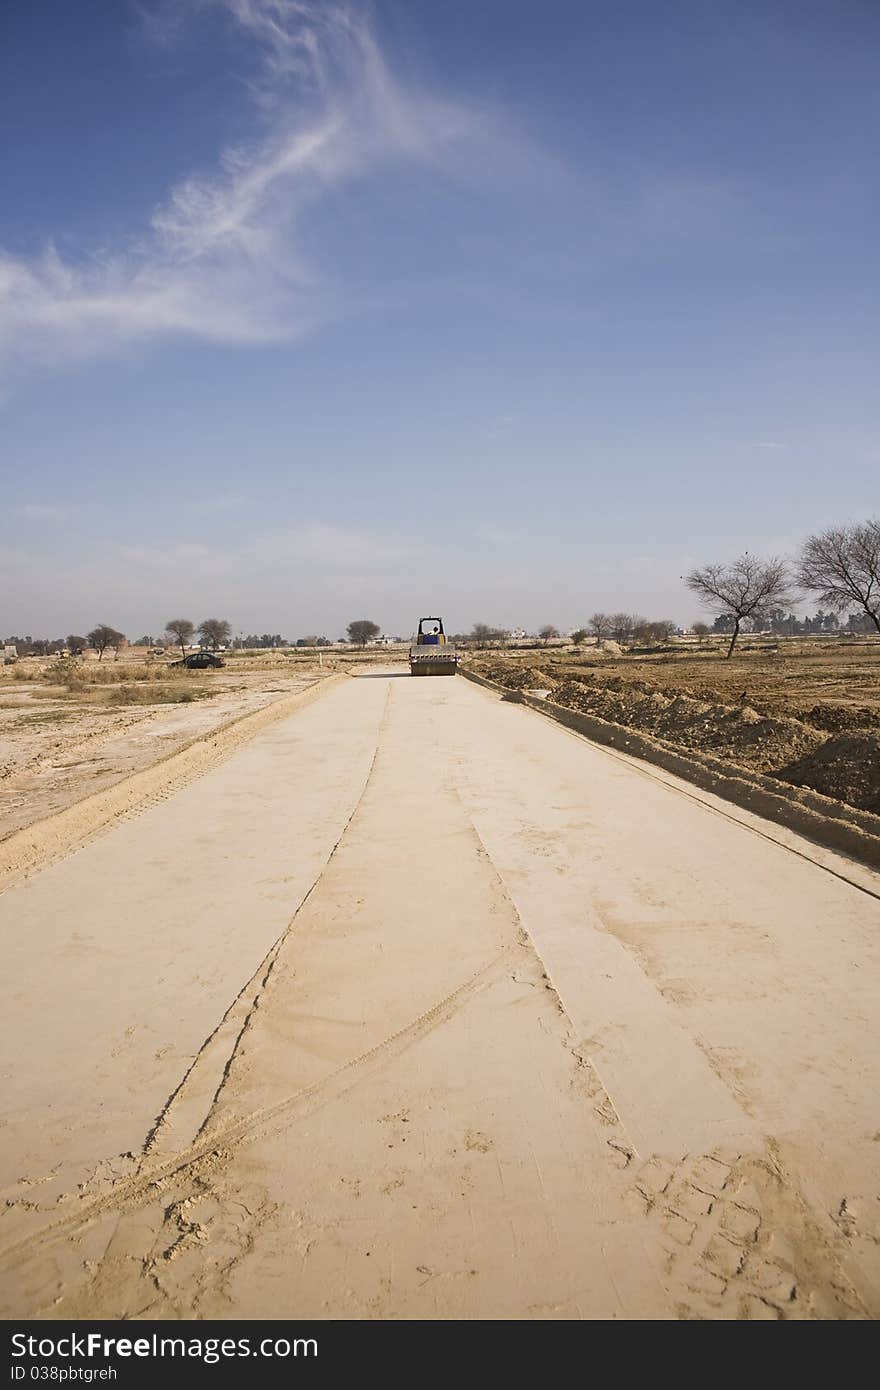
<point x="418" y="1005"/>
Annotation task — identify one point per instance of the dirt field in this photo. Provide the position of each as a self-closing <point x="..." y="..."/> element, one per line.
<point x="805" y="712"/>
<point x="61" y="742"/>
<point x="417" y="1005"/>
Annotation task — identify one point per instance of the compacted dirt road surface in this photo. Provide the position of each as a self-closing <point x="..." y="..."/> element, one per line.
<point x="420" y="1006"/>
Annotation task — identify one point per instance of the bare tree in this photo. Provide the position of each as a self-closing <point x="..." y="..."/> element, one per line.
<point x="216" y="631"/>
<point x="484" y="635"/>
<point x="97" y="639"/>
<point x="102" y="637"/>
<point x="745" y="588"/>
<point x="179" y="631"/>
<point x="362" y="630"/>
<point x="600" y="626"/>
<point x="547" y="632"/>
<point x="621" y="626"/>
<point x="842" y="566"/>
<point x="700" y="631"/>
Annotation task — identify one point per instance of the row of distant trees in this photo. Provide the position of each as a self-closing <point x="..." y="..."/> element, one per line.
<point x="840" y="566"/>
<point x="180" y="632"/>
<point x="783" y="624"/>
<point x="212" y="632"/>
<point x="102" y="638"/>
<point x="625" y="628"/>
<point x="622" y="627"/>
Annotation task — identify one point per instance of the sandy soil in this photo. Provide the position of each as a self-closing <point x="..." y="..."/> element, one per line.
<point x="806" y="713"/>
<point x="419" y="1005"/>
<point x="53" y="752"/>
<point x="783" y="678"/>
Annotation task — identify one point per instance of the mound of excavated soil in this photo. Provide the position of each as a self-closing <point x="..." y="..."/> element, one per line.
<point x="832" y="749"/>
<point x="516" y="677"/>
<point x="846" y="767"/>
<point x="737" y="733"/>
<point x="836" y="718"/>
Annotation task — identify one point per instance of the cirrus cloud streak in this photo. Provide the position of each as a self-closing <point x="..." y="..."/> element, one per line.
<point x="222" y="258"/>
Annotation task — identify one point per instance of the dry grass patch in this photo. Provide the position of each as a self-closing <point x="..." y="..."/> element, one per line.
<point x="166" y="693"/>
<point x="83" y="674"/>
<point x="36" y="719"/>
<point x="114" y="684"/>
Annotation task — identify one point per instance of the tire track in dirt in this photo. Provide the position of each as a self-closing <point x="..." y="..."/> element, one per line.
<point x="736" y="1237"/>
<point x="123" y="1188"/>
<point x="114" y="1193"/>
<point x="172" y="1141"/>
<point x="152" y="1204"/>
<point x="116" y="724"/>
<point x="739" y="1240"/>
<point x="238" y="1017"/>
<point x="728" y="1233"/>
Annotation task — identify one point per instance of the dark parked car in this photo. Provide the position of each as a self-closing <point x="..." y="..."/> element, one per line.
<point x="200" y="661"/>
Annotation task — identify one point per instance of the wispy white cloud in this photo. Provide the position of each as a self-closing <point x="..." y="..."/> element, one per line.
<point x="222" y="258"/>
<point x="768" y="444"/>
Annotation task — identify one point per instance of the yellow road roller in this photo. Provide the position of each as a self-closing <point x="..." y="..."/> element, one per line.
<point x="431" y="654"/>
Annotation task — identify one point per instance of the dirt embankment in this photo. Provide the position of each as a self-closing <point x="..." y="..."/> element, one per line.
<point x="830" y="748"/>
<point x="61" y="744"/>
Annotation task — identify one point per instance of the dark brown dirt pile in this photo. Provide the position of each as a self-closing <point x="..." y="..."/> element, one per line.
<point x="832" y="749"/>
<point x="838" y="718"/>
<point x="516" y="677"/>
<point x="736" y="733"/>
<point x="846" y="767"/>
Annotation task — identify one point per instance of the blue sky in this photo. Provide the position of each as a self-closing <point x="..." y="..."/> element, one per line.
<point x="511" y="311"/>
